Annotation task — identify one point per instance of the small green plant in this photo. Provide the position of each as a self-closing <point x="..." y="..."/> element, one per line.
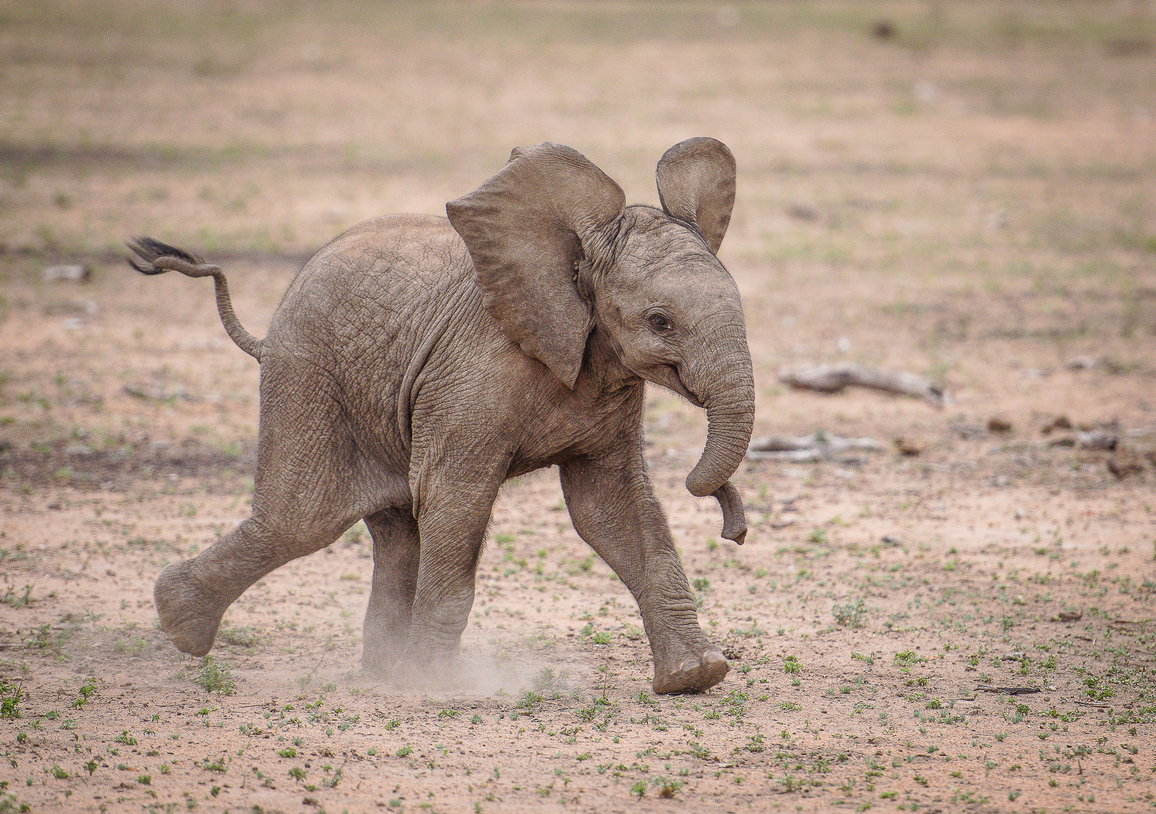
<point x="239" y="636"/>
<point x="215" y="676"/>
<point x="667" y="788"/>
<point x="529" y="701"/>
<point x="850" y="614"/>
<point x="906" y="658"/>
<point x="18" y="600"/>
<point x="131" y="645"/>
<point x="87" y="690"/>
<point x="545" y="680"/>
<point x="10" y="695"/>
<point x="791" y="665"/>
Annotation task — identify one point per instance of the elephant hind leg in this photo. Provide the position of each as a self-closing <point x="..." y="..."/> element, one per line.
<point x="395" y="566"/>
<point x="304" y="498"/>
<point x="192" y="596"/>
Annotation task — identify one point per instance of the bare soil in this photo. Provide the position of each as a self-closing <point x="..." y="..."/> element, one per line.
<point x="959" y="620"/>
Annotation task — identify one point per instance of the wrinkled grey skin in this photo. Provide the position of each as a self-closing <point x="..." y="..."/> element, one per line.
<point x="417" y="363"/>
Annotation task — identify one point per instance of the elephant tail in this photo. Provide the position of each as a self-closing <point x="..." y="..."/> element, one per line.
<point x="157" y="258"/>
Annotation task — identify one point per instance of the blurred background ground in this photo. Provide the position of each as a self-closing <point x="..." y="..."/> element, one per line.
<point x="960" y="621"/>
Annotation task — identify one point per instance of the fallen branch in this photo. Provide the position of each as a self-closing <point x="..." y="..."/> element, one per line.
<point x="835" y="378"/>
<point x="814" y="447"/>
<point x="1010" y="690"/>
<point x="145" y="393"/>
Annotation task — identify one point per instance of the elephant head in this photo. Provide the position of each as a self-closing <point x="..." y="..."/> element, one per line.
<point x="559" y="254"/>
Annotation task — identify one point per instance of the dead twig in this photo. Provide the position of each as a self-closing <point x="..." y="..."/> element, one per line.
<point x="1010" y="690"/>
<point x="835" y="378"/>
<point x="813" y="447"/>
<point x="145" y="393"/>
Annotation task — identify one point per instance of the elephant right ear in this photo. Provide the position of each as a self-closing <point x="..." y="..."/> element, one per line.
<point x="527" y="229"/>
<point x="696" y="182"/>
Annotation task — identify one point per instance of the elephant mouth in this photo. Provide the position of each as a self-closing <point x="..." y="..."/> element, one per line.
<point x="668" y="376"/>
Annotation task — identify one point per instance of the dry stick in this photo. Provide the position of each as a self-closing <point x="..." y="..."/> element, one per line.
<point x="815" y="446"/>
<point x="835" y="378"/>
<point x="1010" y="690"/>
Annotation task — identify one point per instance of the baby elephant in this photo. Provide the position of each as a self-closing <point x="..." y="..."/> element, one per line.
<point x="416" y="363"/>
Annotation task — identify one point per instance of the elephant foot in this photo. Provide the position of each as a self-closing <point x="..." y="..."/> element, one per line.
<point x="381" y="660"/>
<point x="375" y="666"/>
<point x="693" y="674"/>
<point x="189" y="614"/>
<point x="423" y="669"/>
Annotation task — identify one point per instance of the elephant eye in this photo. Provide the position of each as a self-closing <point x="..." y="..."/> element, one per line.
<point x="660" y="323"/>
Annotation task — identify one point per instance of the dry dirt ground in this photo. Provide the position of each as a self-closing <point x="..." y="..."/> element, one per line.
<point x="958" y="621"/>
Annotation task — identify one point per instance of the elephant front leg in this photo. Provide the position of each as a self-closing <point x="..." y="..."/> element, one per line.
<point x="614" y="510"/>
<point x="395" y="569"/>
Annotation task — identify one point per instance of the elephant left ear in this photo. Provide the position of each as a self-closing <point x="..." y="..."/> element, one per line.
<point x="696" y="183"/>
<point x="527" y="229"/>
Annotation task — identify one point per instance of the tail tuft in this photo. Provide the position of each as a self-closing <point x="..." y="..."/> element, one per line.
<point x="150" y="250"/>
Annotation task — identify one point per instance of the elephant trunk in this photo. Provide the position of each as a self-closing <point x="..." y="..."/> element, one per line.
<point x="730" y="417"/>
<point x="730" y="411"/>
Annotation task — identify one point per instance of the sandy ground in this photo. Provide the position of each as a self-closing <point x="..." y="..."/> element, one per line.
<point x="960" y="619"/>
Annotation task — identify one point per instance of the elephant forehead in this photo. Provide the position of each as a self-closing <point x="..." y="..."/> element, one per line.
<point x="691" y="277"/>
<point x="645" y="224"/>
<point x="652" y="240"/>
<point x="662" y="260"/>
